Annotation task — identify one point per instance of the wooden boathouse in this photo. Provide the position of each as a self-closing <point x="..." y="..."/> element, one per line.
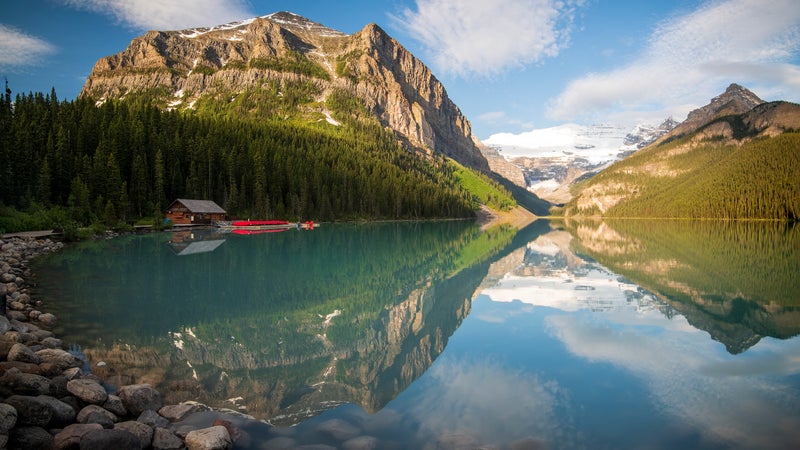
<point x="194" y="212"/>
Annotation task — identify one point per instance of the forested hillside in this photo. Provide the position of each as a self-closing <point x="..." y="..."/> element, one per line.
<point x="735" y="167"/>
<point x="74" y="162"/>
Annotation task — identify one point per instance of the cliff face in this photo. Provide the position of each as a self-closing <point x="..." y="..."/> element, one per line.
<point x="178" y="68"/>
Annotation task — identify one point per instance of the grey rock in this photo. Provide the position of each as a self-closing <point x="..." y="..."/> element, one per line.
<point x="152" y="419"/>
<point x="96" y="414"/>
<point x="52" y="342"/>
<point x="29" y="438"/>
<point x="8" y="418"/>
<point x="4" y="323"/>
<point x="87" y="390"/>
<point x="142" y="431"/>
<point x="62" y="359"/>
<point x="58" y="386"/>
<point x="63" y="414"/>
<point x="72" y="373"/>
<point x="174" y="413"/>
<point x="22" y="353"/>
<point x="163" y="439"/>
<point x="109" y="439"/>
<point x="31" y="410"/>
<point x="70" y="437"/>
<point x="140" y="397"/>
<point x="32" y="384"/>
<point x="16" y="305"/>
<point x="212" y="438"/>
<point x="72" y="401"/>
<point x="47" y="320"/>
<point x="42" y="335"/>
<point x="114" y="404"/>
<point x="16" y="316"/>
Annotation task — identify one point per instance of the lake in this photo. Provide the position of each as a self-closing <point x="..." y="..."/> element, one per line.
<point x="563" y="335"/>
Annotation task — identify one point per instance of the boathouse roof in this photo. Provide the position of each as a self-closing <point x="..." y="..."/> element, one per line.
<point x="199" y="206"/>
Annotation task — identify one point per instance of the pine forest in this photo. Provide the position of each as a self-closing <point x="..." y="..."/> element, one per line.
<point x="74" y="163"/>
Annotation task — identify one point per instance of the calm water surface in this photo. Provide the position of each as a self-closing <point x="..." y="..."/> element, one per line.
<point x="439" y="335"/>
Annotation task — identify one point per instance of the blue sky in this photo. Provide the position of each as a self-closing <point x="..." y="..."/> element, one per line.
<point x="510" y="65"/>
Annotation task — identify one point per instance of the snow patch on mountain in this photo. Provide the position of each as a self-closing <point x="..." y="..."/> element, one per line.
<point x="595" y="143"/>
<point x="551" y="159"/>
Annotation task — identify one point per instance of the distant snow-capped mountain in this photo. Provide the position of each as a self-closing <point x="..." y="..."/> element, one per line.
<point x="551" y="159"/>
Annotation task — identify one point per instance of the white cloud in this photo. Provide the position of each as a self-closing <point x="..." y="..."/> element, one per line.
<point x="518" y="402"/>
<point x="18" y="49"/>
<point x="477" y="37"/>
<point x="167" y="15"/>
<point x="690" y="59"/>
<point x="694" y="381"/>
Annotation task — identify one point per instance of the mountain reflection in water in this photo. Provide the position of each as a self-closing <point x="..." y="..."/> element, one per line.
<point x="592" y="335"/>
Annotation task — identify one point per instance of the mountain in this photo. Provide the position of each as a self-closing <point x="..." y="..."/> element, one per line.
<point x="735" y="158"/>
<point x="303" y="62"/>
<point x="735" y="100"/>
<point x="549" y="161"/>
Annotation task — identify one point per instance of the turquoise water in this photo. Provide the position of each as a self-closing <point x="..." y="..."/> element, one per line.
<point x="440" y="335"/>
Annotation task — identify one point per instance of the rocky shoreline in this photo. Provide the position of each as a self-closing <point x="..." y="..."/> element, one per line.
<point x="48" y="400"/>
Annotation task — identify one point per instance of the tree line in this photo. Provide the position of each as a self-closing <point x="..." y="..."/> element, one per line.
<point x="120" y="161"/>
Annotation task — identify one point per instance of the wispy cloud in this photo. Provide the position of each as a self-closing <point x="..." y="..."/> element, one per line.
<point x="167" y="15"/>
<point x="477" y="37"/>
<point x="18" y="49"/>
<point x="501" y="117"/>
<point x="691" y="58"/>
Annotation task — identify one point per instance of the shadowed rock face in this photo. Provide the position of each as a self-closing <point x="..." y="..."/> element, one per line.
<point x="397" y="88"/>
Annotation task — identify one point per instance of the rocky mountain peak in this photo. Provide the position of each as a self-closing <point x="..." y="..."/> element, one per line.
<point x="735" y="100"/>
<point x="396" y="87"/>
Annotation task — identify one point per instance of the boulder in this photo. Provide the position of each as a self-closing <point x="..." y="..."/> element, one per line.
<point x="174" y="413"/>
<point x="96" y="414"/>
<point x="88" y="390"/>
<point x="63" y="359"/>
<point x="151" y="418"/>
<point x="109" y="439"/>
<point x="63" y="414"/>
<point x="142" y="431"/>
<point x="22" y="353"/>
<point x="114" y="404"/>
<point x="52" y="342"/>
<point x="70" y="437"/>
<point x="238" y="436"/>
<point x="58" y="386"/>
<point x="30" y="437"/>
<point x="8" y="418"/>
<point x="21" y="366"/>
<point x="47" y="320"/>
<point x="163" y="439"/>
<point x="32" y="384"/>
<point x="140" y="397"/>
<point x="31" y="410"/>
<point x="212" y="438"/>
